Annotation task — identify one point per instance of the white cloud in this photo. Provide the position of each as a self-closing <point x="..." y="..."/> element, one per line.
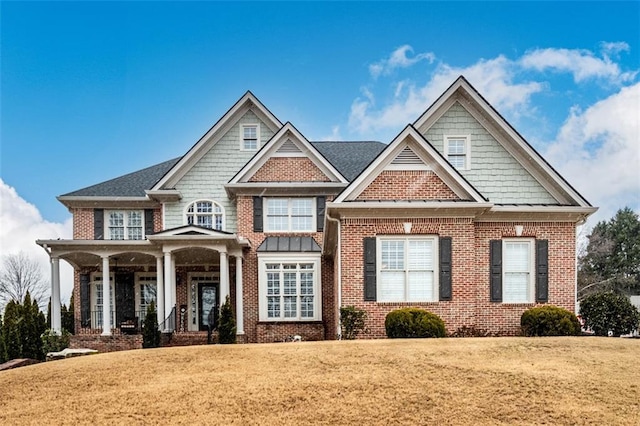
<point x="598" y="150"/>
<point x="334" y="136"/>
<point x="582" y="64"/>
<point x="613" y="48"/>
<point x="399" y="59"/>
<point x="22" y="225"/>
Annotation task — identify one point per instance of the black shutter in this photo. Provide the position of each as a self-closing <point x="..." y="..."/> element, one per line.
<point x="148" y="222"/>
<point x="98" y="224"/>
<point x="445" y="268"/>
<point x="320" y="204"/>
<point x="85" y="300"/>
<point x="125" y="298"/>
<point x="370" y="269"/>
<point x="542" y="271"/>
<point x="257" y="214"/>
<point x="495" y="265"/>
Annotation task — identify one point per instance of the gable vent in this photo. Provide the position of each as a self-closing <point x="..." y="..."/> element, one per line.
<point x="407" y="156"/>
<point x="288" y="147"/>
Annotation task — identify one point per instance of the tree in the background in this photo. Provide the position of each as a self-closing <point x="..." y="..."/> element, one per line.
<point x="19" y="275"/>
<point x="611" y="259"/>
<point x="3" y="352"/>
<point x="68" y="320"/>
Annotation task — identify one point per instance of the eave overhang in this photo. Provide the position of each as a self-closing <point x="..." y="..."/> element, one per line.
<point x="284" y="188"/>
<point x="107" y="202"/>
<point x="164" y="195"/>
<point x="406" y="209"/>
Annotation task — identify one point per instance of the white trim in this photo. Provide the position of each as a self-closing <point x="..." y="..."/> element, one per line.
<point x="265" y="215"/>
<point x="125" y="224"/>
<point x="435" y="263"/>
<point x="193" y="307"/>
<point x="532" y="270"/>
<point x="94" y="312"/>
<point x="186" y="214"/>
<point x="467" y="146"/>
<point x="244" y="126"/>
<point x="139" y="279"/>
<point x="264" y="258"/>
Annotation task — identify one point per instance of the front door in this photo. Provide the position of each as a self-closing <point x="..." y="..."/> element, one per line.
<point x="207" y="305"/>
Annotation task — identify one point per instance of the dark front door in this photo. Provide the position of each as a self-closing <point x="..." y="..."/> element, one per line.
<point x="207" y="305"/>
<point x="125" y="298"/>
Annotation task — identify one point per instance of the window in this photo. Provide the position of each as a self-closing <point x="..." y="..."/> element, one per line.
<point x="290" y="214"/>
<point x="147" y="289"/>
<point x="289" y="289"/>
<point x="457" y="149"/>
<point x="98" y="301"/>
<point x="517" y="271"/>
<point x="207" y="214"/>
<point x="407" y="271"/>
<point x="125" y="225"/>
<point x="250" y="137"/>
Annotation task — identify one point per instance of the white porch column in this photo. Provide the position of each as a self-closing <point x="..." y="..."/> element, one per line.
<point x="159" y="290"/>
<point x="224" y="277"/>
<point x="168" y="275"/>
<point x="56" y="322"/>
<point x="239" y="301"/>
<point x="174" y="282"/>
<point x="106" y="298"/>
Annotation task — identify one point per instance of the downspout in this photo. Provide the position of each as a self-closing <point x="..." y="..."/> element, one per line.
<point x="339" y="266"/>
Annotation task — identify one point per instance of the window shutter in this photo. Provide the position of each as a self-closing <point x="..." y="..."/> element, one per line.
<point x="320" y="204"/>
<point x="257" y="214"/>
<point x="148" y="222"/>
<point x="370" y="269"/>
<point x="85" y="300"/>
<point x="495" y="265"/>
<point x="542" y="271"/>
<point x="445" y="268"/>
<point x="98" y="224"/>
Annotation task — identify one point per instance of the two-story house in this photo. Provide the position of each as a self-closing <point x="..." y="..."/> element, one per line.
<point x="458" y="214"/>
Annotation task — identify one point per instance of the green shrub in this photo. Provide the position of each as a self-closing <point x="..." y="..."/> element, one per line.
<point x="150" y="330"/>
<point x="53" y="342"/>
<point x="352" y="321"/>
<point x="227" y="324"/>
<point x="549" y="321"/>
<point x="412" y="323"/>
<point x="603" y="312"/>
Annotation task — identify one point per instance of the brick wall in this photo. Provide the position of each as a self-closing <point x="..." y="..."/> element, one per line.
<point x="271" y="332"/>
<point x="116" y="342"/>
<point x="407" y="185"/>
<point x="289" y="169"/>
<point x="470" y="305"/>
<point x="82" y="224"/>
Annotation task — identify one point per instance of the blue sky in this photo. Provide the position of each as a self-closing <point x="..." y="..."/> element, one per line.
<point x="90" y="91"/>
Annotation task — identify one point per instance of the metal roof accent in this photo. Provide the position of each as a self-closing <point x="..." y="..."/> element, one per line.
<point x="289" y="244"/>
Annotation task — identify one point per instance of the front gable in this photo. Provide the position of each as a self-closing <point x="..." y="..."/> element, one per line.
<point x="410" y="169"/>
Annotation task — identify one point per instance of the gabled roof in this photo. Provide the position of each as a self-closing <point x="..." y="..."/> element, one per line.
<point x="287" y="136"/>
<point x="349" y="157"/>
<point x="425" y="152"/>
<point x="462" y="91"/>
<point x="130" y="185"/>
<point x="209" y="139"/>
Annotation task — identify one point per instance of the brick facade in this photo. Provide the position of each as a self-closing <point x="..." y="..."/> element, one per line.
<point x="407" y="185"/>
<point x="289" y="169"/>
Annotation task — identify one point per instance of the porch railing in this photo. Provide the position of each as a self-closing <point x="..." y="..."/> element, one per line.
<point x="128" y="325"/>
<point x="169" y="323"/>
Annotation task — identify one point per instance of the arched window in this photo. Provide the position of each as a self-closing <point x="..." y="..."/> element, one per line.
<point x="208" y="214"/>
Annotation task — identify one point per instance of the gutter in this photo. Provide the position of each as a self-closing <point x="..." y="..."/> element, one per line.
<point x="339" y="266"/>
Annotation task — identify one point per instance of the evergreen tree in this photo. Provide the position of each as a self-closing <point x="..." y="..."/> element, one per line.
<point x="3" y="352"/>
<point x="49" y="314"/>
<point x="12" y="333"/>
<point x="150" y="330"/>
<point x="68" y="319"/>
<point x="227" y="324"/>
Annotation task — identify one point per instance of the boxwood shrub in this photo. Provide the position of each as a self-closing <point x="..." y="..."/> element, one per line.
<point x="413" y="323"/>
<point x="549" y="321"/>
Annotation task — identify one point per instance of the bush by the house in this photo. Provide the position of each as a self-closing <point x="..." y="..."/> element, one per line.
<point x="23" y="326"/>
<point x="227" y="324"/>
<point x="53" y="342"/>
<point x="150" y="330"/>
<point x="549" y="321"/>
<point x="67" y="317"/>
<point x="352" y="320"/>
<point x="413" y="323"/>
<point x="609" y="312"/>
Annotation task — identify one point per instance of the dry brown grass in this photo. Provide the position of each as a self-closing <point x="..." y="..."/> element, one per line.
<point x="445" y="381"/>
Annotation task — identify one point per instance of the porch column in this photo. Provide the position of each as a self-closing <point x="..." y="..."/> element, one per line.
<point x="224" y="277"/>
<point x="174" y="282"/>
<point x="159" y="291"/>
<point x="239" y="301"/>
<point x="167" y="287"/>
<point x="56" y="323"/>
<point x="106" y="298"/>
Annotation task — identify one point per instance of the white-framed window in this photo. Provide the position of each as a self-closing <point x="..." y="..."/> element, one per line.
<point x="124" y="224"/>
<point x="249" y="137"/>
<point x="290" y="215"/>
<point x="205" y="213"/>
<point x="289" y="288"/>
<point x="146" y="292"/>
<point x="407" y="269"/>
<point x="458" y="151"/>
<point x="518" y="270"/>
<point x="97" y="300"/>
